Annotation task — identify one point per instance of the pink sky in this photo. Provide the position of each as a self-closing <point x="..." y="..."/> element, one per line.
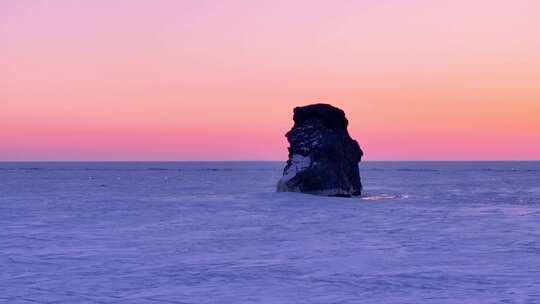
<point x="217" y="80"/>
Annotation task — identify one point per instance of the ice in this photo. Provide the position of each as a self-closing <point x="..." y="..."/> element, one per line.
<point x="217" y="232"/>
<point x="383" y="196"/>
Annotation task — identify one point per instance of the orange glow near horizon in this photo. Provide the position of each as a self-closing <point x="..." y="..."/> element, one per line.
<point x="217" y="80"/>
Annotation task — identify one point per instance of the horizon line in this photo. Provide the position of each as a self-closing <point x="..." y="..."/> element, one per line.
<point x="236" y="160"/>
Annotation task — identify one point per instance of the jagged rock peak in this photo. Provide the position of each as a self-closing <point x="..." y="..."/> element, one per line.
<point x="329" y="115"/>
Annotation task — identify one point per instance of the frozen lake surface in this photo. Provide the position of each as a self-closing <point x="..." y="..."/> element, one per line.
<point x="425" y="232"/>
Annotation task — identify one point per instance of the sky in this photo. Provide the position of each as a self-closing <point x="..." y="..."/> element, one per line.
<point x="218" y="80"/>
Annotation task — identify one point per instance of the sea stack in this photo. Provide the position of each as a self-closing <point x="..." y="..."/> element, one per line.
<point x="323" y="158"/>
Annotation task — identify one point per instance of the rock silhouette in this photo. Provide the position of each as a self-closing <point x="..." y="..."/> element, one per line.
<point x="323" y="158"/>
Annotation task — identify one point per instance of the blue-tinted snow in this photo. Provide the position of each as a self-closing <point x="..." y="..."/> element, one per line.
<point x="218" y="233"/>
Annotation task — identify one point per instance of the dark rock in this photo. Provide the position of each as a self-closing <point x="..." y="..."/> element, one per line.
<point x="323" y="158"/>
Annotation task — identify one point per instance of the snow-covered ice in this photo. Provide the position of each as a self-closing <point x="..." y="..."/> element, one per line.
<point x="425" y="232"/>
